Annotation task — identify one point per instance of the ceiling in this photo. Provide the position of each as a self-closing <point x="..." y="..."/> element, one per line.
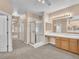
<point x="23" y="6"/>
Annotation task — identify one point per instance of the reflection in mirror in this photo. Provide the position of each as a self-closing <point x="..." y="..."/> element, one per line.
<point x="59" y="25"/>
<point x="73" y="25"/>
<point x="48" y="27"/>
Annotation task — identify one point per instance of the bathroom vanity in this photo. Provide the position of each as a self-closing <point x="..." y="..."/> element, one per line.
<point x="69" y="42"/>
<point x="63" y="33"/>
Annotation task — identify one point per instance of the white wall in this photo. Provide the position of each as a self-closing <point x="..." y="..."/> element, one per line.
<point x="6" y="6"/>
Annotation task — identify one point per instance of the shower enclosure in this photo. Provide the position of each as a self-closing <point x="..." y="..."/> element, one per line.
<point x="36" y="31"/>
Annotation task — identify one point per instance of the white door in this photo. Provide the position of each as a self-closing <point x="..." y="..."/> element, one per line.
<point x="3" y="33"/>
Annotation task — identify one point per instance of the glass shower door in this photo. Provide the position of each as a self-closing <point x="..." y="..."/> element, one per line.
<point x="32" y="32"/>
<point x="36" y="32"/>
<point x="39" y="32"/>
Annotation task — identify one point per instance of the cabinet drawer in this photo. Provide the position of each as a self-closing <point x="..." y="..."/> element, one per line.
<point x="73" y="45"/>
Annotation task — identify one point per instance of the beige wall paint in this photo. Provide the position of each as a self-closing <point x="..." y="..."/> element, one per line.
<point x="72" y="9"/>
<point x="5" y="6"/>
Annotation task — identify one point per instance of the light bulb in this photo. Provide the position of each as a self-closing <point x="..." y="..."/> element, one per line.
<point x="43" y="1"/>
<point x="39" y="0"/>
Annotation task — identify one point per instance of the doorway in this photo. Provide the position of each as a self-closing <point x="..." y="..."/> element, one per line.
<point x="18" y="33"/>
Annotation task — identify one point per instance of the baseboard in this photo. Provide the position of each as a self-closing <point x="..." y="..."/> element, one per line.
<point x="51" y="43"/>
<point x="39" y="44"/>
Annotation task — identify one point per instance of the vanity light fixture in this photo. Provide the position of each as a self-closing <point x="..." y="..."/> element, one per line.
<point x="63" y="15"/>
<point x="68" y="14"/>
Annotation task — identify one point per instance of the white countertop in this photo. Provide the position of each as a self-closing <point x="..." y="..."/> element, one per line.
<point x="66" y="35"/>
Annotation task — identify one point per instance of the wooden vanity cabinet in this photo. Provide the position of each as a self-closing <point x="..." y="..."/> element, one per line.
<point x="62" y="43"/>
<point x="73" y="45"/>
<point x="68" y="44"/>
<point x="65" y="43"/>
<point x="78" y="47"/>
<point x="58" y="42"/>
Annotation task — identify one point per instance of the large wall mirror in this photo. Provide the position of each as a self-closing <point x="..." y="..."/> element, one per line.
<point x="73" y="24"/>
<point x="66" y="25"/>
<point x="59" y="25"/>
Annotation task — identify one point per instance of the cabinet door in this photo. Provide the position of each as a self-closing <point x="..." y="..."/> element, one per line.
<point x="65" y="43"/>
<point x="58" y="42"/>
<point x="73" y="45"/>
<point x="78" y="47"/>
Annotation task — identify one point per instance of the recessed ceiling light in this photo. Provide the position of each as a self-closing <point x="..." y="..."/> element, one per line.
<point x="43" y="1"/>
<point x="39" y="0"/>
